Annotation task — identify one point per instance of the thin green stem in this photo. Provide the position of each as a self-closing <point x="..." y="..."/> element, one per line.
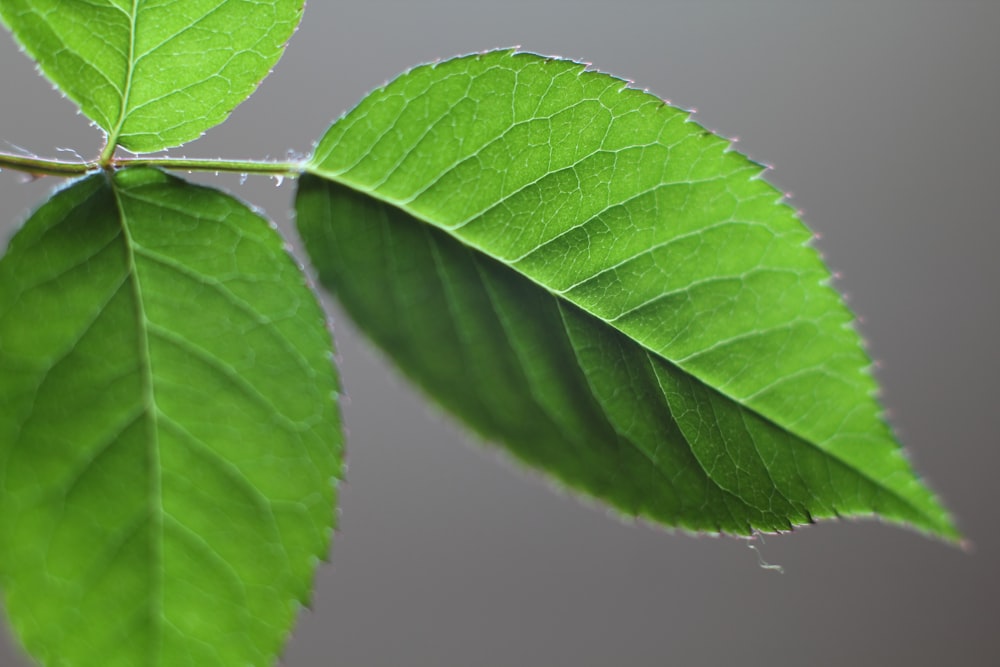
<point x="45" y="167"/>
<point x="267" y="168"/>
<point x="42" y="167"/>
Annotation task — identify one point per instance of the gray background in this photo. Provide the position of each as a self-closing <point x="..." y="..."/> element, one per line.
<point x="881" y="118"/>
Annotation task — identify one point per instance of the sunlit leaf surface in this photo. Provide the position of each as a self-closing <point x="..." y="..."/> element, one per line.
<point x="585" y="276"/>
<point x="154" y="73"/>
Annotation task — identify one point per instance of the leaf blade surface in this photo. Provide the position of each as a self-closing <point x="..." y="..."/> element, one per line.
<point x="618" y="206"/>
<point x="170" y="434"/>
<point x="154" y="73"/>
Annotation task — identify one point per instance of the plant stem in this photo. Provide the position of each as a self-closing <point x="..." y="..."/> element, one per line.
<point x="42" y="167"/>
<point x="45" y="167"/>
<point x="288" y="169"/>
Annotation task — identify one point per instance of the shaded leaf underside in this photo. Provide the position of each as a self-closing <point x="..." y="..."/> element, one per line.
<point x="666" y="272"/>
<point x="169" y="436"/>
<point x="565" y="393"/>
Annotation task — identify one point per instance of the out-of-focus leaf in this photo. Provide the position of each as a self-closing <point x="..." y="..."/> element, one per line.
<point x="169" y="435"/>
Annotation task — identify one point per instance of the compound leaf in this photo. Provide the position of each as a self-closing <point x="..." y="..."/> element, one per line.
<point x="169" y="436"/>
<point x="584" y="275"/>
<point x="154" y="73"/>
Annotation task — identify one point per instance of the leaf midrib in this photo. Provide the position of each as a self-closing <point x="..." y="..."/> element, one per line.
<point x="155" y="497"/>
<point x="316" y="170"/>
<point x="115" y="134"/>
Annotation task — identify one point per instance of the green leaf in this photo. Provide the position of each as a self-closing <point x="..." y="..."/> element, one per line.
<point x="584" y="275"/>
<point x="169" y="436"/>
<point x="154" y="73"/>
